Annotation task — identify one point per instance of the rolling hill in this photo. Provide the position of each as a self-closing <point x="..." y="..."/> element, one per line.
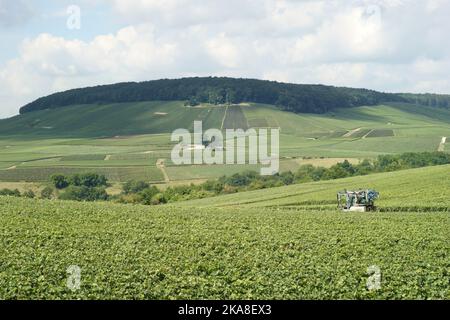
<point x="423" y="189"/>
<point x="279" y="243"/>
<point x="297" y="98"/>
<point x="291" y="97"/>
<point x="108" y="129"/>
<point x="126" y="140"/>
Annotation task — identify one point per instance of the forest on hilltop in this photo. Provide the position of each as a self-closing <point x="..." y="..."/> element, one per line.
<point x="298" y="98"/>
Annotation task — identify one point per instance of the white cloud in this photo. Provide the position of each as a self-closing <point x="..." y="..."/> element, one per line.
<point x="395" y="45"/>
<point x="224" y="51"/>
<point x="48" y="64"/>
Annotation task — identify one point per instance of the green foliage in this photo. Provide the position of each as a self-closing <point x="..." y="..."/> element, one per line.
<point x="59" y="181"/>
<point x="148" y="194"/>
<point x="432" y="100"/>
<point x="29" y="194"/>
<point x="83" y="193"/>
<point x="47" y="193"/>
<point x="134" y="186"/>
<point x="79" y="187"/>
<point x="9" y="192"/>
<point x="410" y="160"/>
<point x="192" y="102"/>
<point x="290" y="97"/>
<point x="90" y="180"/>
<point x="136" y="252"/>
<point x="158" y="198"/>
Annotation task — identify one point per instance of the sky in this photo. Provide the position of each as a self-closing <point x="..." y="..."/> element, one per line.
<point x="388" y="45"/>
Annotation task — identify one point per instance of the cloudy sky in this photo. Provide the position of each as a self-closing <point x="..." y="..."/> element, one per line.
<point x="388" y="45"/>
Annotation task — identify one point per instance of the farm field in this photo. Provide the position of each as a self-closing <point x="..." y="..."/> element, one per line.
<point x="279" y="243"/>
<point x="249" y="246"/>
<point x="235" y="118"/>
<point x="76" y="144"/>
<point x="423" y="189"/>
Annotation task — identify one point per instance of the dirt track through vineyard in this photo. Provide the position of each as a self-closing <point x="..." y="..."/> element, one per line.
<point x="160" y="165"/>
<point x="442" y="144"/>
<point x="351" y="132"/>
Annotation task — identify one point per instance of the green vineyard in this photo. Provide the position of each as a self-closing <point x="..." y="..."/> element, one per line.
<point x="280" y="243"/>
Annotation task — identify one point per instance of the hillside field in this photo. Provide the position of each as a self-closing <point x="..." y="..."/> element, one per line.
<point x="130" y="138"/>
<point x="282" y="243"/>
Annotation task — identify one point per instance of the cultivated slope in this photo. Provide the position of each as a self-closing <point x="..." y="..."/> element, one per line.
<point x="416" y="189"/>
<point x="163" y="117"/>
<point x="111" y="119"/>
<point x="233" y="252"/>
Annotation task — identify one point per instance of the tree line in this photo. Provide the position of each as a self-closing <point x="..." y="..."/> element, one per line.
<point x="221" y="90"/>
<point x="428" y="99"/>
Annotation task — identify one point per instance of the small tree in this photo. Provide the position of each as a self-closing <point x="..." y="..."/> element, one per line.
<point x="158" y="199"/>
<point x="91" y="180"/>
<point x="29" y="194"/>
<point x="75" y="180"/>
<point x="59" y="181"/>
<point x="84" y="193"/>
<point x="134" y="187"/>
<point x="47" y="193"/>
<point x="148" y="194"/>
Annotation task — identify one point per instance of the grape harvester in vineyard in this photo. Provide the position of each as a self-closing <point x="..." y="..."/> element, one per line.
<point x="360" y="200"/>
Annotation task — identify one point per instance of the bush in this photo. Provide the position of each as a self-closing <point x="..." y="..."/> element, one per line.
<point x="365" y="167"/>
<point x="132" y="198"/>
<point x="148" y="194"/>
<point x="29" y="194"/>
<point x="90" y="180"/>
<point x="74" y="180"/>
<point x="305" y="173"/>
<point x="134" y="187"/>
<point x="158" y="199"/>
<point x="60" y="181"/>
<point x="47" y="193"/>
<point x="213" y="186"/>
<point x="9" y="192"/>
<point x="83" y="193"/>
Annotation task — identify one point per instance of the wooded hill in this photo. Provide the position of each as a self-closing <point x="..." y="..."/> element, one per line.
<point x="289" y="97"/>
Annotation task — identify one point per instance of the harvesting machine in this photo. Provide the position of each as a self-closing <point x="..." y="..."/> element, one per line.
<point x="359" y="201"/>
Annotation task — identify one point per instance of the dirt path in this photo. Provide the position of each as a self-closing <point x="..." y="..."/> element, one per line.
<point x="442" y="144"/>
<point x="160" y="165"/>
<point x="224" y="116"/>
<point x="365" y="136"/>
<point x="107" y="157"/>
<point x="351" y="132"/>
<point x="12" y="168"/>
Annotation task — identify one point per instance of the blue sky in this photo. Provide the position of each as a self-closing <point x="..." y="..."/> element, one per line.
<point x="395" y="45"/>
<point x="50" y="16"/>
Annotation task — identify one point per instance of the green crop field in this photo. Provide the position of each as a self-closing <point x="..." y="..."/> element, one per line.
<point x="136" y="135"/>
<point x="423" y="189"/>
<point x="120" y="174"/>
<point x="282" y="243"/>
<point x="117" y="119"/>
<point x="235" y="118"/>
<point x="380" y="133"/>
